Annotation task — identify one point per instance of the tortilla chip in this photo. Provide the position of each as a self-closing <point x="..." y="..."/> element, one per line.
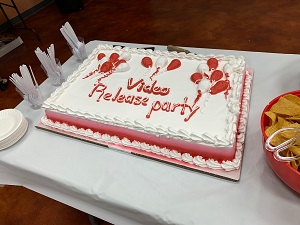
<point x="282" y="122"/>
<point x="288" y="134"/>
<point x="295" y="150"/>
<point x="272" y="116"/>
<point x="292" y="98"/>
<point x="293" y="118"/>
<point x="285" y="107"/>
<point x="294" y="125"/>
<point x="271" y="129"/>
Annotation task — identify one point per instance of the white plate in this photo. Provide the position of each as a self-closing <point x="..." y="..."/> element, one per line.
<point x="13" y="126"/>
<point x="10" y="120"/>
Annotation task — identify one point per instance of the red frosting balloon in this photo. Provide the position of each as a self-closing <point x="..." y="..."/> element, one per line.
<point x="212" y="63"/>
<point x="100" y="56"/>
<point x="196" y="77"/>
<point x="114" y="57"/>
<point x="220" y="86"/>
<point x="216" y="75"/>
<point x="147" y="62"/>
<point x="107" y="66"/>
<point x="174" y="64"/>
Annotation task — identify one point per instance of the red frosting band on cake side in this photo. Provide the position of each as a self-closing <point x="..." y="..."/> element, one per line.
<point x="194" y="149"/>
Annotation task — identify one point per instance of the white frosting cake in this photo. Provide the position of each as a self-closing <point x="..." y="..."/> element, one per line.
<point x="188" y="107"/>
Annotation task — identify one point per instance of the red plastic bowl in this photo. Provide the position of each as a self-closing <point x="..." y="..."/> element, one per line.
<point x="283" y="170"/>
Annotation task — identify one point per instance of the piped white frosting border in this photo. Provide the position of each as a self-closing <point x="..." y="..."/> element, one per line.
<point x="186" y="157"/>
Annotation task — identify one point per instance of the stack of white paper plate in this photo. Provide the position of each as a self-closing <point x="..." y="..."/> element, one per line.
<point x="13" y="126"/>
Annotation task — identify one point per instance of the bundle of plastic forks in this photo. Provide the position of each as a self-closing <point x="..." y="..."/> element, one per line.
<point x="76" y="43"/>
<point x="51" y="65"/>
<point x="27" y="86"/>
<point x="48" y="60"/>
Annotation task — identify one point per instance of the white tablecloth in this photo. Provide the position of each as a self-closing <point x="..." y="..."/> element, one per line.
<point x="126" y="189"/>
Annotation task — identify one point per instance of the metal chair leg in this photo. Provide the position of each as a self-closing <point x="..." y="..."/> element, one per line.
<point x="19" y="15"/>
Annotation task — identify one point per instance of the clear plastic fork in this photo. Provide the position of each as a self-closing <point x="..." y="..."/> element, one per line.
<point x="284" y="145"/>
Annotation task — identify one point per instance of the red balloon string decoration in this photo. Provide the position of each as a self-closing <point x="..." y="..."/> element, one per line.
<point x="106" y="70"/>
<point x="115" y="60"/>
<point x="107" y="66"/>
<point x="101" y="56"/>
<point x="203" y="85"/>
<point x="199" y="94"/>
<point x="227" y="70"/>
<point x="220" y="86"/>
<point x="161" y="63"/>
<point x="214" y="84"/>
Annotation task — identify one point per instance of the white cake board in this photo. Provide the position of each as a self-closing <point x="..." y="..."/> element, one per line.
<point x="233" y="175"/>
